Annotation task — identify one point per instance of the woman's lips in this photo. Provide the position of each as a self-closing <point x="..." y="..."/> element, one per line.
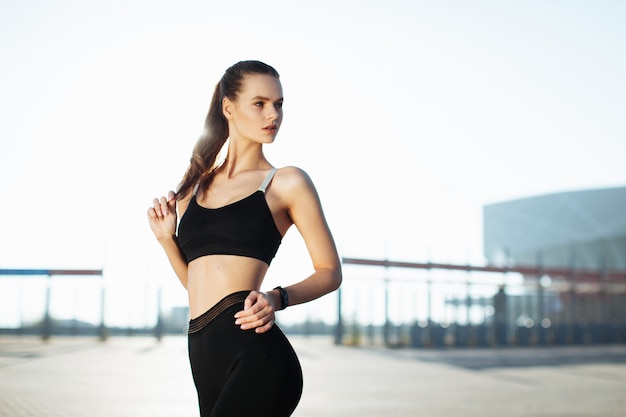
<point x="271" y="128"/>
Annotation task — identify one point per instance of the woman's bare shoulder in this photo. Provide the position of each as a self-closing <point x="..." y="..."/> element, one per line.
<point x="295" y="187"/>
<point x="292" y="177"/>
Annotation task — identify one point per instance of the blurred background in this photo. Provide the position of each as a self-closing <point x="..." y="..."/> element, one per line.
<point x="469" y="157"/>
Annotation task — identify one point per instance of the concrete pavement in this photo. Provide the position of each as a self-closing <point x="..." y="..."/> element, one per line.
<point x="139" y="377"/>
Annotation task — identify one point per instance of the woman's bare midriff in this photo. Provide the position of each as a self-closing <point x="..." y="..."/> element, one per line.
<point x="211" y="278"/>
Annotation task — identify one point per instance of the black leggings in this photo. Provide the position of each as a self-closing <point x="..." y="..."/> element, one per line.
<point x="239" y="372"/>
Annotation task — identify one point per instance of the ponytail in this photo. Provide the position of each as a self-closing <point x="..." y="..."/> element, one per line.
<point x="204" y="155"/>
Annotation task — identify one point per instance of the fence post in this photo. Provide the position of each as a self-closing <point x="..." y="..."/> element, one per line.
<point x="46" y="328"/>
<point x="158" y="328"/>
<point x="339" y="326"/>
<point x="387" y="325"/>
<point x="541" y="335"/>
<point x="102" y="330"/>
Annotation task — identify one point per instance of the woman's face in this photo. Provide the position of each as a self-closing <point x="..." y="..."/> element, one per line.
<point x="257" y="112"/>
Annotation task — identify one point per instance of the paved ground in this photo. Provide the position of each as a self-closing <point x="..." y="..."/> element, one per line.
<point x="138" y="377"/>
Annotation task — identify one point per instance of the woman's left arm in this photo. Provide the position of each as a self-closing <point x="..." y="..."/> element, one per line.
<point x="305" y="211"/>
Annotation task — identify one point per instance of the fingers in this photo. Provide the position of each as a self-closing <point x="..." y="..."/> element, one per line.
<point x="171" y="202"/>
<point x="250" y="300"/>
<point x="162" y="216"/>
<point x="264" y="328"/>
<point x="257" y="314"/>
<point x="152" y="214"/>
<point x="162" y="207"/>
<point x="259" y="326"/>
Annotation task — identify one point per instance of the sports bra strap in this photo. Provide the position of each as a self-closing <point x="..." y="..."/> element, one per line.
<point x="263" y="186"/>
<point x="267" y="179"/>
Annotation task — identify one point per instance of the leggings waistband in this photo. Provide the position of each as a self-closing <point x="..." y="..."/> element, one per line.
<point x="200" y="322"/>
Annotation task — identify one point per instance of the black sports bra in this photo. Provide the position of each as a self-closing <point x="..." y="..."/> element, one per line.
<point x="244" y="228"/>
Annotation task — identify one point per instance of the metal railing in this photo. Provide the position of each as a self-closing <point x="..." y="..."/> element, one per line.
<point x="438" y="304"/>
<point x="46" y="325"/>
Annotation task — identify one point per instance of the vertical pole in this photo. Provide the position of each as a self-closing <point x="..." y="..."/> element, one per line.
<point x="572" y="307"/>
<point x="386" y="328"/>
<point x="541" y="336"/>
<point x="469" y="333"/>
<point x="102" y="331"/>
<point x="47" y="320"/>
<point x="339" y="326"/>
<point x="20" y="301"/>
<point x="602" y="322"/>
<point x="428" y="334"/>
<point x="74" y="324"/>
<point x="468" y="299"/>
<point x="158" y="329"/>
<point x="530" y="297"/>
<point x="415" y="332"/>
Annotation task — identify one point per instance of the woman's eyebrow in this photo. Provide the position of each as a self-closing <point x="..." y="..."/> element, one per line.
<point x="262" y="98"/>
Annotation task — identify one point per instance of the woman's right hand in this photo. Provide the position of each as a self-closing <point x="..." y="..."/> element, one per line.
<point x="162" y="216"/>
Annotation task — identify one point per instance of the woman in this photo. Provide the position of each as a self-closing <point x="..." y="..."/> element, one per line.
<point x="233" y="215"/>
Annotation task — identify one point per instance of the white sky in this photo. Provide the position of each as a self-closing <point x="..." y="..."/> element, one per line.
<point x="408" y="115"/>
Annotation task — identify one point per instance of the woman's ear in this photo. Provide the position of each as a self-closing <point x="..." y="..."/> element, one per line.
<point x="226" y="108"/>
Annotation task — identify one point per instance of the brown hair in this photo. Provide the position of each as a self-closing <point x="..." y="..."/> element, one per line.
<point x="203" y="160"/>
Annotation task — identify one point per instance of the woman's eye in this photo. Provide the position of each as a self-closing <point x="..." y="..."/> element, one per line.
<point x="279" y="105"/>
<point x="259" y="104"/>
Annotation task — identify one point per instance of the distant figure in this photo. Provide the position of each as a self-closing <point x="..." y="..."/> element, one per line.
<point x="234" y="212"/>
<point x="500" y="317"/>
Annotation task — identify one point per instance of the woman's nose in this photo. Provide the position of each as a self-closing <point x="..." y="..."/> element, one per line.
<point x="273" y="114"/>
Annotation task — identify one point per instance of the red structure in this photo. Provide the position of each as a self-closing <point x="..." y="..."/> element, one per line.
<point x="580" y="275"/>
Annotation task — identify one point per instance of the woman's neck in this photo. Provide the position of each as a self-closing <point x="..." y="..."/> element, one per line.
<point x="243" y="156"/>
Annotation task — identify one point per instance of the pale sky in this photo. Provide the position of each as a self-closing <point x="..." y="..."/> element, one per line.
<point x="408" y="115"/>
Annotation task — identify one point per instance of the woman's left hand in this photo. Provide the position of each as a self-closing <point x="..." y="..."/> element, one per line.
<point x="258" y="312"/>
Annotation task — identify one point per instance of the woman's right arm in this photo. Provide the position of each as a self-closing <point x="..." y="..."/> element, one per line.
<point x="163" y="219"/>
